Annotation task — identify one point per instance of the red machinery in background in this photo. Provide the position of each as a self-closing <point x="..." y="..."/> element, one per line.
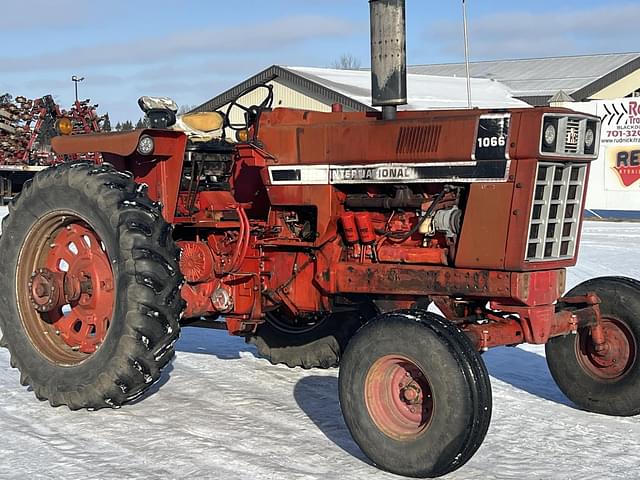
<point x="26" y="129"/>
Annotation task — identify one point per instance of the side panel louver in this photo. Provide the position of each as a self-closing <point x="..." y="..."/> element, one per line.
<point x="417" y="140"/>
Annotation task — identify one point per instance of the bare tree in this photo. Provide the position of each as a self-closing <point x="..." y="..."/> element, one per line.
<point x="347" y="61"/>
<point x="185" y="109"/>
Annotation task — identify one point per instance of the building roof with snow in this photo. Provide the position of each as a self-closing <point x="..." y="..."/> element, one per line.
<point x="319" y="88"/>
<point x="536" y="80"/>
<point x="424" y="91"/>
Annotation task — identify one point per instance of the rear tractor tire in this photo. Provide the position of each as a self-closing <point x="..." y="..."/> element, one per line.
<point x="89" y="287"/>
<point x="605" y="381"/>
<point x="415" y="394"/>
<point x="317" y="345"/>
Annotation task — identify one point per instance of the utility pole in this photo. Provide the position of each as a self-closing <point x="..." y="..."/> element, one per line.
<point x="75" y="79"/>
<point x="466" y="52"/>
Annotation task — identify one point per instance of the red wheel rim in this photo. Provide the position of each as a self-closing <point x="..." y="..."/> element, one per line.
<point x="65" y="288"/>
<point x="398" y="397"/>
<point x="614" y="360"/>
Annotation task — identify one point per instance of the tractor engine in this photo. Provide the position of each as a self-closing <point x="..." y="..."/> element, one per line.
<point x="402" y="225"/>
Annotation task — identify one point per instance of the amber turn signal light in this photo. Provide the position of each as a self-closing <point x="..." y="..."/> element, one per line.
<point x="242" y="136"/>
<point x="64" y="126"/>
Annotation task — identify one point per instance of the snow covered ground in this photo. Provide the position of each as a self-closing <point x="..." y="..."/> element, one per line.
<point x="220" y="412"/>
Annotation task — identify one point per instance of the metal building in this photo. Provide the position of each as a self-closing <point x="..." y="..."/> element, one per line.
<point x="319" y="88"/>
<point x="537" y="80"/>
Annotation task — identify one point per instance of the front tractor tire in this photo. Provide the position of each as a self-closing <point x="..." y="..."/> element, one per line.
<point x="415" y="394"/>
<point x="89" y="287"/>
<point x="607" y="380"/>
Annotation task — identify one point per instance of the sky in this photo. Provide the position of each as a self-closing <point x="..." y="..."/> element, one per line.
<point x="192" y="50"/>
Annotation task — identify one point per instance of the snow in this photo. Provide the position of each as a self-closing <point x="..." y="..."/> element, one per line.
<point x="221" y="412"/>
<point x="423" y="91"/>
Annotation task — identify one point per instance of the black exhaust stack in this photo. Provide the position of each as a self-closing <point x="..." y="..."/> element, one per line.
<point x="388" y="56"/>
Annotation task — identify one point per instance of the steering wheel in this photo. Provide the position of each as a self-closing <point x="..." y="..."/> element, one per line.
<point x="252" y="113"/>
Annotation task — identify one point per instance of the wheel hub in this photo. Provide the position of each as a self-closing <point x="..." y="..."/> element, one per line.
<point x="614" y="358"/>
<point x="45" y="289"/>
<point x="48" y="290"/>
<point x="67" y="282"/>
<point x="398" y="397"/>
<point x="411" y="394"/>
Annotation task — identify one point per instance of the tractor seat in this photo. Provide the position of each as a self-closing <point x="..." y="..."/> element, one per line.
<point x="201" y="126"/>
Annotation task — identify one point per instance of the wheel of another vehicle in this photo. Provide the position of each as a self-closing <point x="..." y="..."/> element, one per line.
<point x="606" y="380"/>
<point x="415" y="394"/>
<point x="308" y="345"/>
<point x="90" y="287"/>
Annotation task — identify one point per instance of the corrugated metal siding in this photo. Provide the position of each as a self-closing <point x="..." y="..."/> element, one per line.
<point x="291" y="80"/>
<point x="536" y="101"/>
<point x="619" y="89"/>
<point x="283" y="96"/>
<point x="543" y="76"/>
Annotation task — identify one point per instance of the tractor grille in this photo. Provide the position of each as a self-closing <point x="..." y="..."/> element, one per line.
<point x="556" y="211"/>
<point x="573" y="136"/>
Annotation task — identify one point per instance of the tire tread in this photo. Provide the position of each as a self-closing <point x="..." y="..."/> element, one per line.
<point x="151" y="276"/>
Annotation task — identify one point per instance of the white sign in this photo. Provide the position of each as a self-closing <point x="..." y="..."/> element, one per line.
<point x="614" y="182"/>
<point x="621" y="144"/>
<point x="620" y="122"/>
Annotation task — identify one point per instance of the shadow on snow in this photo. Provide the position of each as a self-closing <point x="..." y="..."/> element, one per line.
<point x="520" y="368"/>
<point x="526" y="371"/>
<point x="317" y="395"/>
<point x="213" y="342"/>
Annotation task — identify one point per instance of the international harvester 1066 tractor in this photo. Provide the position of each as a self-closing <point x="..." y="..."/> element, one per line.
<point x="322" y="238"/>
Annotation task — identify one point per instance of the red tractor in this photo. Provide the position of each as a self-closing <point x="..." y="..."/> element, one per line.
<point x="322" y="238"/>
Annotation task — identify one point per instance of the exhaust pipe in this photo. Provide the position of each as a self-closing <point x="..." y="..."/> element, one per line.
<point x="388" y="56"/>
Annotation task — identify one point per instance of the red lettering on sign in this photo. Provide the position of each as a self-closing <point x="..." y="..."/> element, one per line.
<point x="628" y="175"/>
<point x="627" y="166"/>
<point x="633" y="109"/>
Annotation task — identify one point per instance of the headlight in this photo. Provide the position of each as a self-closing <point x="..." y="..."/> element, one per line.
<point x="550" y="134"/>
<point x="589" y="138"/>
<point x="146" y="145"/>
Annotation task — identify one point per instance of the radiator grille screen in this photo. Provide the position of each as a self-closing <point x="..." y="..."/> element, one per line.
<point x="573" y="134"/>
<point x="556" y="211"/>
